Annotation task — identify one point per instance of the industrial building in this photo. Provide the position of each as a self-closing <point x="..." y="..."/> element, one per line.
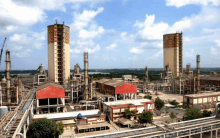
<point x="172" y="52"/>
<point x="81" y="121"/>
<point x="117" y="88"/>
<point x="202" y="100"/>
<point x="50" y="97"/>
<point x="115" y="109"/>
<point x="58" y="53"/>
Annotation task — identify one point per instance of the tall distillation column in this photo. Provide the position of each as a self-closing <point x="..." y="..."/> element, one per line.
<point x="86" y="93"/>
<point x="8" y="76"/>
<point x="198" y="73"/>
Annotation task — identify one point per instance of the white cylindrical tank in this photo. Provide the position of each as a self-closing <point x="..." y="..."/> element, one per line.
<point x="3" y="110"/>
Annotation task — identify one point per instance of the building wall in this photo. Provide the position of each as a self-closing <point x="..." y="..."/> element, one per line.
<point x="117" y="111"/>
<point x="205" y="102"/>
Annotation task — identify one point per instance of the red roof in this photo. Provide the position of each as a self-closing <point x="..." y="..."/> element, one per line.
<point x="50" y="92"/>
<point x="126" y="88"/>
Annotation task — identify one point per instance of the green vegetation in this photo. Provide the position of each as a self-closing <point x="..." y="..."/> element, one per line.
<point x="128" y="114"/>
<point x="172" y="116"/>
<point x="192" y="113"/>
<point x="145" y="117"/>
<point x="206" y="113"/>
<point x="44" y="129"/>
<point x="148" y="97"/>
<point x="174" y="102"/>
<point x="159" y="103"/>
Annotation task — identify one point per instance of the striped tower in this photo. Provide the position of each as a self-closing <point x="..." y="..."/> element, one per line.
<point x="58" y="53"/>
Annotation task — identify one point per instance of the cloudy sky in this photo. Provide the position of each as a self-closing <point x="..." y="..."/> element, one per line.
<point x="116" y="33"/>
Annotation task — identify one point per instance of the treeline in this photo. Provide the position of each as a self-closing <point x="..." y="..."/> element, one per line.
<point x="153" y="75"/>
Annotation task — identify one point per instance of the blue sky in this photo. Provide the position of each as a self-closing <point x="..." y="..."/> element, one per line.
<point x="116" y="33"/>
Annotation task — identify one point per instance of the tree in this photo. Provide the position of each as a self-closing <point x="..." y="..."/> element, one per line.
<point x="174" y="102"/>
<point x="159" y="103"/>
<point x="172" y="116"/>
<point x="192" y="113"/>
<point x="129" y="114"/>
<point x="205" y="113"/>
<point x="145" y="117"/>
<point x="148" y="97"/>
<point x="44" y="129"/>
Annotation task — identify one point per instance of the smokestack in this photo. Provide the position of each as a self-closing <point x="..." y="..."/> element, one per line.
<point x="146" y="73"/>
<point x="86" y="93"/>
<point x="8" y="76"/>
<point x="198" y="73"/>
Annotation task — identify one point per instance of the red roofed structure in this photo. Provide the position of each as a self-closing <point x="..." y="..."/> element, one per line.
<point x="50" y="97"/>
<point x="50" y="92"/>
<point x="117" y="88"/>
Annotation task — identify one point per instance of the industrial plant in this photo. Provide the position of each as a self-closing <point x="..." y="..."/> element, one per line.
<point x="109" y="107"/>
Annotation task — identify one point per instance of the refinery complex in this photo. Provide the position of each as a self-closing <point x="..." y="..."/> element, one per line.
<point x="97" y="108"/>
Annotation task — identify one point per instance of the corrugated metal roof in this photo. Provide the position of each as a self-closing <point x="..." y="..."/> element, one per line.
<point x="114" y="83"/>
<point x="103" y="80"/>
<point x="47" y="84"/>
<point x="207" y="77"/>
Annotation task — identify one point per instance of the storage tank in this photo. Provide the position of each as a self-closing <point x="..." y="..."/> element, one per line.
<point x="3" y="110"/>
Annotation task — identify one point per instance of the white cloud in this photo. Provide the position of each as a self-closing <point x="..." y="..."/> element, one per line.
<point x="190" y="54"/>
<point x="93" y="50"/>
<point x="112" y="46"/>
<point x="135" y="50"/>
<point x="205" y="30"/>
<point x="12" y="13"/>
<point x="158" y="54"/>
<point x="149" y="30"/>
<point x="23" y="53"/>
<point x="24" y="43"/>
<point x="213" y="51"/>
<point x="180" y="3"/>
<point x="82" y="20"/>
<point x="217" y="43"/>
<point x="84" y="34"/>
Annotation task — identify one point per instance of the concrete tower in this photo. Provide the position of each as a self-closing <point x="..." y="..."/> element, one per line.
<point x="198" y="72"/>
<point x="172" y="52"/>
<point x="58" y="53"/>
<point x="8" y="76"/>
<point x="86" y="81"/>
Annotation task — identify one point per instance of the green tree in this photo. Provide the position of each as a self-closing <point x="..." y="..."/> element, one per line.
<point x="44" y="128"/>
<point x="159" y="103"/>
<point x="174" y="102"/>
<point x="145" y="117"/>
<point x="192" y="113"/>
<point x="172" y="116"/>
<point x="148" y="97"/>
<point x="206" y="113"/>
<point x="128" y="114"/>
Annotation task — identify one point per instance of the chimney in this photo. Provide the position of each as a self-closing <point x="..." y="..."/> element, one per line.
<point x="146" y="74"/>
<point x="8" y="76"/>
<point x="86" y="93"/>
<point x="198" y="73"/>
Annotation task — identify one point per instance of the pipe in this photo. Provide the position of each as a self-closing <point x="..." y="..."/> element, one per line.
<point x="86" y="93"/>
<point x="198" y="73"/>
<point x="8" y="76"/>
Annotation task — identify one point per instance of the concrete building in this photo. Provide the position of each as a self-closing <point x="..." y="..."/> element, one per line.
<point x="117" y="88"/>
<point x="116" y="109"/>
<point x="59" y="53"/>
<point x="202" y="100"/>
<point x="81" y="121"/>
<point x="172" y="52"/>
<point x="50" y="97"/>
